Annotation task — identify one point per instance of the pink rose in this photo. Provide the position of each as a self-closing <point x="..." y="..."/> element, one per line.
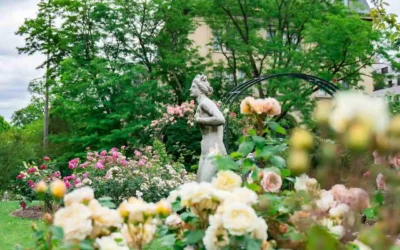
<point x="46" y="158"/>
<point x="271" y="182"/>
<point x="395" y="160"/>
<point x="31" y="184"/>
<point x="103" y="153"/>
<point x="42" y="167"/>
<point x="85" y="175"/>
<point x="56" y="174"/>
<point x="99" y="165"/>
<point x="379" y="159"/>
<point x="360" y="199"/>
<point x="338" y="191"/>
<point x="381" y="182"/>
<point x="31" y="170"/>
<point x="141" y="163"/>
<point x="20" y="176"/>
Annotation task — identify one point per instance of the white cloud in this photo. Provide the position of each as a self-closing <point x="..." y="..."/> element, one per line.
<point x="16" y="71"/>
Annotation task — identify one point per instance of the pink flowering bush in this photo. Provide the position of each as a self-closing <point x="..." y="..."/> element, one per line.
<point x="149" y="174"/>
<point x="176" y="121"/>
<point x="27" y="180"/>
<point x="173" y="113"/>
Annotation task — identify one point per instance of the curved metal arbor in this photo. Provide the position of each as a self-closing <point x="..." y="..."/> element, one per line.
<point x="231" y="97"/>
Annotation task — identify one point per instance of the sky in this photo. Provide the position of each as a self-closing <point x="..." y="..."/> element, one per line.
<point x="16" y="71"/>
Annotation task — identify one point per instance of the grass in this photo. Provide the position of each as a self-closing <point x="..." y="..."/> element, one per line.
<point x="14" y="230"/>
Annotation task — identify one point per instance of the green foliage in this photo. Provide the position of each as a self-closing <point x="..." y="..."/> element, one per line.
<point x="17" y="146"/>
<point x="4" y="126"/>
<point x="393" y="102"/>
<point x="318" y="38"/>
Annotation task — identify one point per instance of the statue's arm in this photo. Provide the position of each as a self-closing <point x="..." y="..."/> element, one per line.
<point x="216" y="117"/>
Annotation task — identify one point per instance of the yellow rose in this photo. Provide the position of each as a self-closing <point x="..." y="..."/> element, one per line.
<point x="301" y="139"/>
<point x="41" y="187"/>
<point x="58" y="189"/>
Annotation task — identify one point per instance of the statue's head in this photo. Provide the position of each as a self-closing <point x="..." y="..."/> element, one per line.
<point x="200" y="85"/>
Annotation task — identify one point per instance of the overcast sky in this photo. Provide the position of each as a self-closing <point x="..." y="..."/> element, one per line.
<point x="16" y="71"/>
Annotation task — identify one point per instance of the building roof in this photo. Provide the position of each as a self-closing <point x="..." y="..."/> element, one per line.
<point x="383" y="92"/>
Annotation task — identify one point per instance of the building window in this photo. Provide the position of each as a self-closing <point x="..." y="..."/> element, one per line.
<point x="390" y="83"/>
<point x="385" y="70"/>
<point x="345" y="84"/>
<point x="398" y="80"/>
<point x="216" y="43"/>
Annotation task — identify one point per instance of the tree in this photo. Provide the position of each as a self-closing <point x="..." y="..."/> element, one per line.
<point x="266" y="37"/>
<point x="41" y="36"/>
<point x="4" y="126"/>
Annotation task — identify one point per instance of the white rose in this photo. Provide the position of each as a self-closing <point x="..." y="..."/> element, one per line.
<point x="326" y="201"/>
<point x="173" y="220"/>
<point x="239" y="218"/>
<point x="138" y="235"/>
<point x="173" y="195"/>
<point x="305" y="183"/>
<point x="215" y="238"/>
<point x="113" y="242"/>
<point x="80" y="195"/>
<point x="75" y="221"/>
<point x="242" y="195"/>
<point x="339" y="211"/>
<point x="227" y="180"/>
<point x="337" y="230"/>
<point x="260" y="232"/>
<point x="104" y="216"/>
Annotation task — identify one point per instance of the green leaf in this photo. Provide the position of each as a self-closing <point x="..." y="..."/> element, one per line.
<point x="277" y="161"/>
<point x="57" y="232"/>
<point x="260" y="141"/>
<point x="105" y="198"/>
<point x="254" y="175"/>
<point x="246" y="147"/>
<point x="226" y="163"/>
<point x="277" y="128"/>
<point x="265" y="153"/>
<point x="194" y="236"/>
<point x="86" y="245"/>
<point x="253" y="186"/>
<point x="176" y="205"/>
<point x="251" y="132"/>
<point x="379" y="198"/>
<point x="285" y="173"/>
<point x="168" y="240"/>
<point x="371" y="213"/>
<point x="253" y="244"/>
<point x="236" y="155"/>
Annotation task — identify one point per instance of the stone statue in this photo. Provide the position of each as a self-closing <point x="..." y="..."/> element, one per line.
<point x="211" y="121"/>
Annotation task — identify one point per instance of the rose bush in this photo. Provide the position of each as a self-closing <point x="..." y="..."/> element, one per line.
<point x="262" y="197"/>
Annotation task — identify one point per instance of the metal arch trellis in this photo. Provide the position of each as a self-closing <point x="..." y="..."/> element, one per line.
<point x="231" y="97"/>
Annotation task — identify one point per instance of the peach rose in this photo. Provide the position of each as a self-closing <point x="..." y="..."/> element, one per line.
<point x="257" y="105"/>
<point x="245" y="107"/>
<point x="275" y="107"/>
<point x="271" y="182"/>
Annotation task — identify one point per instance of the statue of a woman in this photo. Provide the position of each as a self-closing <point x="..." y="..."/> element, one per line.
<point x="211" y="121"/>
